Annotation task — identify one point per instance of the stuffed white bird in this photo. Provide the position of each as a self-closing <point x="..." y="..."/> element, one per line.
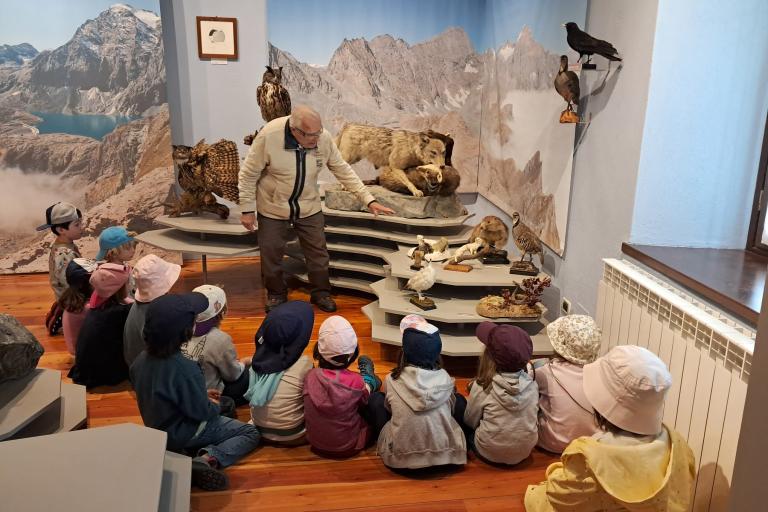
<point x="467" y="250"/>
<point x="422" y="281"/>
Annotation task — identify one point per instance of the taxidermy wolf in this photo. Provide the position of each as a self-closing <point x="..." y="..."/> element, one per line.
<point x="396" y="149"/>
<point x="204" y="170"/>
<point x="422" y="180"/>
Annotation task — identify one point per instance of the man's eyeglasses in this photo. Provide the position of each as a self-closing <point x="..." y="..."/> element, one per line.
<point x="306" y="134"/>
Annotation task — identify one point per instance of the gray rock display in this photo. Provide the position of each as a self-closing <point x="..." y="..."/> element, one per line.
<point x="404" y="205"/>
<point x="19" y="349"/>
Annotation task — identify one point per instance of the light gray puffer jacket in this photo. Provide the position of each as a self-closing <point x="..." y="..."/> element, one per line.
<point x="422" y="431"/>
<point x="504" y="417"/>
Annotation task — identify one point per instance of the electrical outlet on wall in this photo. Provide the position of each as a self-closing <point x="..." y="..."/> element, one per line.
<point x="565" y="307"/>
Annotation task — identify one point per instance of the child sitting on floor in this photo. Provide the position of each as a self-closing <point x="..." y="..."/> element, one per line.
<point x="634" y="462"/>
<point x="154" y="277"/>
<point x="334" y="396"/>
<point x="278" y="368"/>
<point x="99" y="354"/>
<point x="74" y="300"/>
<point x="212" y="349"/>
<point x="65" y="221"/>
<point x="564" y="411"/>
<point x="422" y="431"/>
<point x="172" y="396"/>
<point x="503" y="400"/>
<point x="117" y="245"/>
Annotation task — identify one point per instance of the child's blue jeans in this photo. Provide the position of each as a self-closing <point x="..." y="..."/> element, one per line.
<point x="225" y="439"/>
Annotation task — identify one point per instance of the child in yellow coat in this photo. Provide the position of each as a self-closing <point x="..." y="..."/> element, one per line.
<point x="635" y="463"/>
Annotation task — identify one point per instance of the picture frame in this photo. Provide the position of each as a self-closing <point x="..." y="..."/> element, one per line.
<point x="216" y="37"/>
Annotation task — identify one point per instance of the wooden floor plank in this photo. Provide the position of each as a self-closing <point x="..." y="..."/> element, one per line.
<point x="289" y="479"/>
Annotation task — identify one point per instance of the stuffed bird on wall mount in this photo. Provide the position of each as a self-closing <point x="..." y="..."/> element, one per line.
<point x="585" y="44"/>
<point x="567" y="84"/>
<point x="272" y="97"/>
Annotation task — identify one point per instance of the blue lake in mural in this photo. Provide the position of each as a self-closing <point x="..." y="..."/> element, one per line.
<point x="95" y="126"/>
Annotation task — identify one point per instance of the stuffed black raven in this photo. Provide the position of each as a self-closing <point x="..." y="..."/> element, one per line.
<point x="587" y="45"/>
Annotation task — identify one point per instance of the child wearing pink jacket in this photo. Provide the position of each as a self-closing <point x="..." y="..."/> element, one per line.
<point x="564" y="411"/>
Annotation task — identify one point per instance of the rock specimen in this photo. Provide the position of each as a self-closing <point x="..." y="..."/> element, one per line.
<point x="19" y="349"/>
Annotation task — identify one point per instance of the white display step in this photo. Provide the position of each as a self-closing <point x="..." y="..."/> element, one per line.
<point x="453" y="344"/>
<point x="364" y="267"/>
<point x="116" y="468"/>
<point x="480" y="275"/>
<point x="356" y="248"/>
<point x="177" y="483"/>
<point x="204" y="223"/>
<point x="66" y="413"/>
<point x="297" y="269"/>
<point x="23" y="400"/>
<point x="172" y="239"/>
<point x="393" y="219"/>
<point x="454" y="307"/>
<point x="459" y="238"/>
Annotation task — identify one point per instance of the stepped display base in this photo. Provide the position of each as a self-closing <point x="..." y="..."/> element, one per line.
<point x="23" y="400"/>
<point x="117" y="468"/>
<point x="204" y="223"/>
<point x="457" y="341"/>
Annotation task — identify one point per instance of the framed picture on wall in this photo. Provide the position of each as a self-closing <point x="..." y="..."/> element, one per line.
<point x="216" y="37"/>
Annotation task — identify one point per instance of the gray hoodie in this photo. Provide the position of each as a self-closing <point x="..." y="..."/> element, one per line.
<point x="505" y="417"/>
<point x="422" y="431"/>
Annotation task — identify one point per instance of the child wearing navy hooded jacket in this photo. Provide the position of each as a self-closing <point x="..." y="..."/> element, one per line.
<point x="172" y="395"/>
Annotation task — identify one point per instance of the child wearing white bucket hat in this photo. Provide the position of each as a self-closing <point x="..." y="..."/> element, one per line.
<point x="635" y="462"/>
<point x="564" y="411"/>
<point x="212" y="349"/>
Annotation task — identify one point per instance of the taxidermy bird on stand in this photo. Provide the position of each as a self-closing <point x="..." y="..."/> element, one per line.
<point x="272" y="97"/>
<point x="528" y="244"/>
<point x="585" y="44"/>
<point x="567" y="86"/>
<point x="420" y="282"/>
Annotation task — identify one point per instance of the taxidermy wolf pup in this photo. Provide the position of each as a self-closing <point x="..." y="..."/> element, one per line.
<point x="423" y="180"/>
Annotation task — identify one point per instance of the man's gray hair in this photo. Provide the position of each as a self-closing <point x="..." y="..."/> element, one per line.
<point x="301" y="113"/>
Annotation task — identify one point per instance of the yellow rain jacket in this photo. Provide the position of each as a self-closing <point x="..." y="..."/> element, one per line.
<point x="594" y="476"/>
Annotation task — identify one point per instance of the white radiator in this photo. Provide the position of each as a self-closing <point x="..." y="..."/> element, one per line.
<point x="708" y="354"/>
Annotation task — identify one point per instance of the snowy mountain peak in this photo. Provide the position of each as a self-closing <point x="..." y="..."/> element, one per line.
<point x="149" y="18"/>
<point x="525" y="35"/>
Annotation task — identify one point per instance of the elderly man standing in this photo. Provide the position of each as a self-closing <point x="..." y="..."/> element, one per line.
<point x="278" y="180"/>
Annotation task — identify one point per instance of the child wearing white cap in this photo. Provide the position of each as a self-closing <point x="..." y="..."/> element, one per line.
<point x="634" y="462"/>
<point x="212" y="349"/>
<point x="65" y="221"/>
<point x="334" y="397"/>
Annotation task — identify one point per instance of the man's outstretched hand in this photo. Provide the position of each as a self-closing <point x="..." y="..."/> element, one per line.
<point x="248" y="220"/>
<point x="377" y="208"/>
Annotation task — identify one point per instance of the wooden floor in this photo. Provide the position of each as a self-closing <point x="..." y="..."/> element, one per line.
<point x="293" y="478"/>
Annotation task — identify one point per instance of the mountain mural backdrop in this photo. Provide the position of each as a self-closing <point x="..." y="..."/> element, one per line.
<point x="498" y="106"/>
<point x="111" y="70"/>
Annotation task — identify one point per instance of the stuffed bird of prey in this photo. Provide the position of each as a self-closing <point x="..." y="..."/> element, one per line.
<point x="567" y="84"/>
<point x="272" y="97"/>
<point x="587" y="45"/>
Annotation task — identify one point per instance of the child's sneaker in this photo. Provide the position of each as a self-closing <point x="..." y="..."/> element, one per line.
<point x="206" y="477"/>
<point x="365" y="365"/>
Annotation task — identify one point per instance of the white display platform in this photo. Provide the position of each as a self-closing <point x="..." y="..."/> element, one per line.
<point x="68" y="412"/>
<point x="177" y="483"/>
<point x="399" y="236"/>
<point x="116" y="468"/>
<point x="204" y="223"/>
<point x="462" y="344"/>
<point x="451" y="307"/>
<point x="23" y="400"/>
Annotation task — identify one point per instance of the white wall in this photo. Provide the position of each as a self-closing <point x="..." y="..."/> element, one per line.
<point x="704" y="126"/>
<point x="207" y="100"/>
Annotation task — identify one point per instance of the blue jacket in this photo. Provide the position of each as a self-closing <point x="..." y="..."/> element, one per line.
<point x="172" y="396"/>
